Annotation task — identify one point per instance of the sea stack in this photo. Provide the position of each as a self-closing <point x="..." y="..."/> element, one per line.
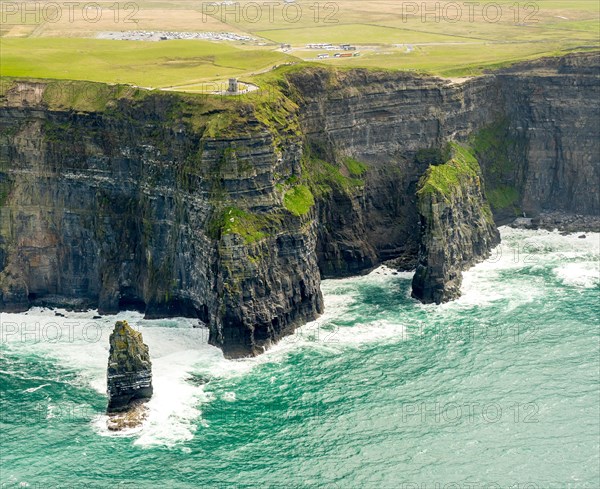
<point x="129" y="376"/>
<point x="457" y="226"/>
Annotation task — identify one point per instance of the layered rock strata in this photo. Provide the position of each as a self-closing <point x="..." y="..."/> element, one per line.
<point x="129" y="373"/>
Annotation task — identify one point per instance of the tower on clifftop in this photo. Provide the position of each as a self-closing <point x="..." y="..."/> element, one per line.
<point x="233" y="85"/>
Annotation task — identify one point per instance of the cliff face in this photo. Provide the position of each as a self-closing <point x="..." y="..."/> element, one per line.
<point x="457" y="227"/>
<point x="554" y="107"/>
<point x="140" y="202"/>
<point x="387" y="121"/>
<point x="231" y="210"/>
<point x="533" y="129"/>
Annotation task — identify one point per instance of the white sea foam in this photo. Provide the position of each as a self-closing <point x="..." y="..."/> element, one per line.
<point x="33" y="389"/>
<point x="579" y="274"/>
<point x="323" y="335"/>
<point x="340" y="296"/>
<point x="79" y="343"/>
<point x="229" y="396"/>
<point x="380" y="275"/>
<point x="530" y="250"/>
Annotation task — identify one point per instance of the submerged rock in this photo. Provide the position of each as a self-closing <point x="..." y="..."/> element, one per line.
<point x="129" y="375"/>
<point x="132" y="418"/>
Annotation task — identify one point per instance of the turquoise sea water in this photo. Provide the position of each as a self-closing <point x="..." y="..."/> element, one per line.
<point x="499" y="389"/>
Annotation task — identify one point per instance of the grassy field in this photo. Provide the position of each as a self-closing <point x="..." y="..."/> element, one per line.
<point x="146" y="64"/>
<point x="387" y="33"/>
<point x="449" y="60"/>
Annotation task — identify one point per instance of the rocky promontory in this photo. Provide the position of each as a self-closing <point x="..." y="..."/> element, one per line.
<point x="457" y="228"/>
<point x="129" y="374"/>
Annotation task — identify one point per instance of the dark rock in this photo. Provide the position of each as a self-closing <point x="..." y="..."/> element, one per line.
<point x="198" y="379"/>
<point x="54" y="301"/>
<point x="583" y="236"/>
<point x="403" y="263"/>
<point x="457" y="228"/>
<point x="13" y="292"/>
<point x="129" y="375"/>
<point x="569" y="223"/>
<point x="522" y="222"/>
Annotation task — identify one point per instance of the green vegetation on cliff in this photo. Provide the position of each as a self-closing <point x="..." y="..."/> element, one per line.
<point x="504" y="197"/>
<point x="231" y="220"/>
<point x="355" y="168"/>
<point x="492" y="141"/>
<point x="454" y="177"/>
<point x="497" y="148"/>
<point x="323" y="177"/>
<point x="299" y="200"/>
<point x="87" y="96"/>
<point x="278" y="114"/>
<point x="80" y="96"/>
<point x="432" y="156"/>
<point x="443" y="179"/>
<point x="212" y="116"/>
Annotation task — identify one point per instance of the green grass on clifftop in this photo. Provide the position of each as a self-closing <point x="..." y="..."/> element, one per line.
<point x="386" y="35"/>
<point x="146" y="64"/>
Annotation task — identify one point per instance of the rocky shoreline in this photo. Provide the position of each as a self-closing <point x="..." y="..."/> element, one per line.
<point x="560" y="221"/>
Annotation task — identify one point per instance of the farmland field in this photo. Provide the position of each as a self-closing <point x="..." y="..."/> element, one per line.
<point x="445" y="38"/>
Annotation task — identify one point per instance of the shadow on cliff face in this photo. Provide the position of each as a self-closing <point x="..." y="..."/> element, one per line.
<point x="131" y="303"/>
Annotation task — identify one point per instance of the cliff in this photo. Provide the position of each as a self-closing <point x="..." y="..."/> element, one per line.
<point x="389" y="122"/>
<point x="231" y="210"/>
<point x="551" y="106"/>
<point x="457" y="228"/>
<point x="173" y="205"/>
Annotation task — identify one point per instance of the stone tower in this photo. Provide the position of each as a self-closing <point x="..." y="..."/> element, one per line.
<point x="233" y="85"/>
